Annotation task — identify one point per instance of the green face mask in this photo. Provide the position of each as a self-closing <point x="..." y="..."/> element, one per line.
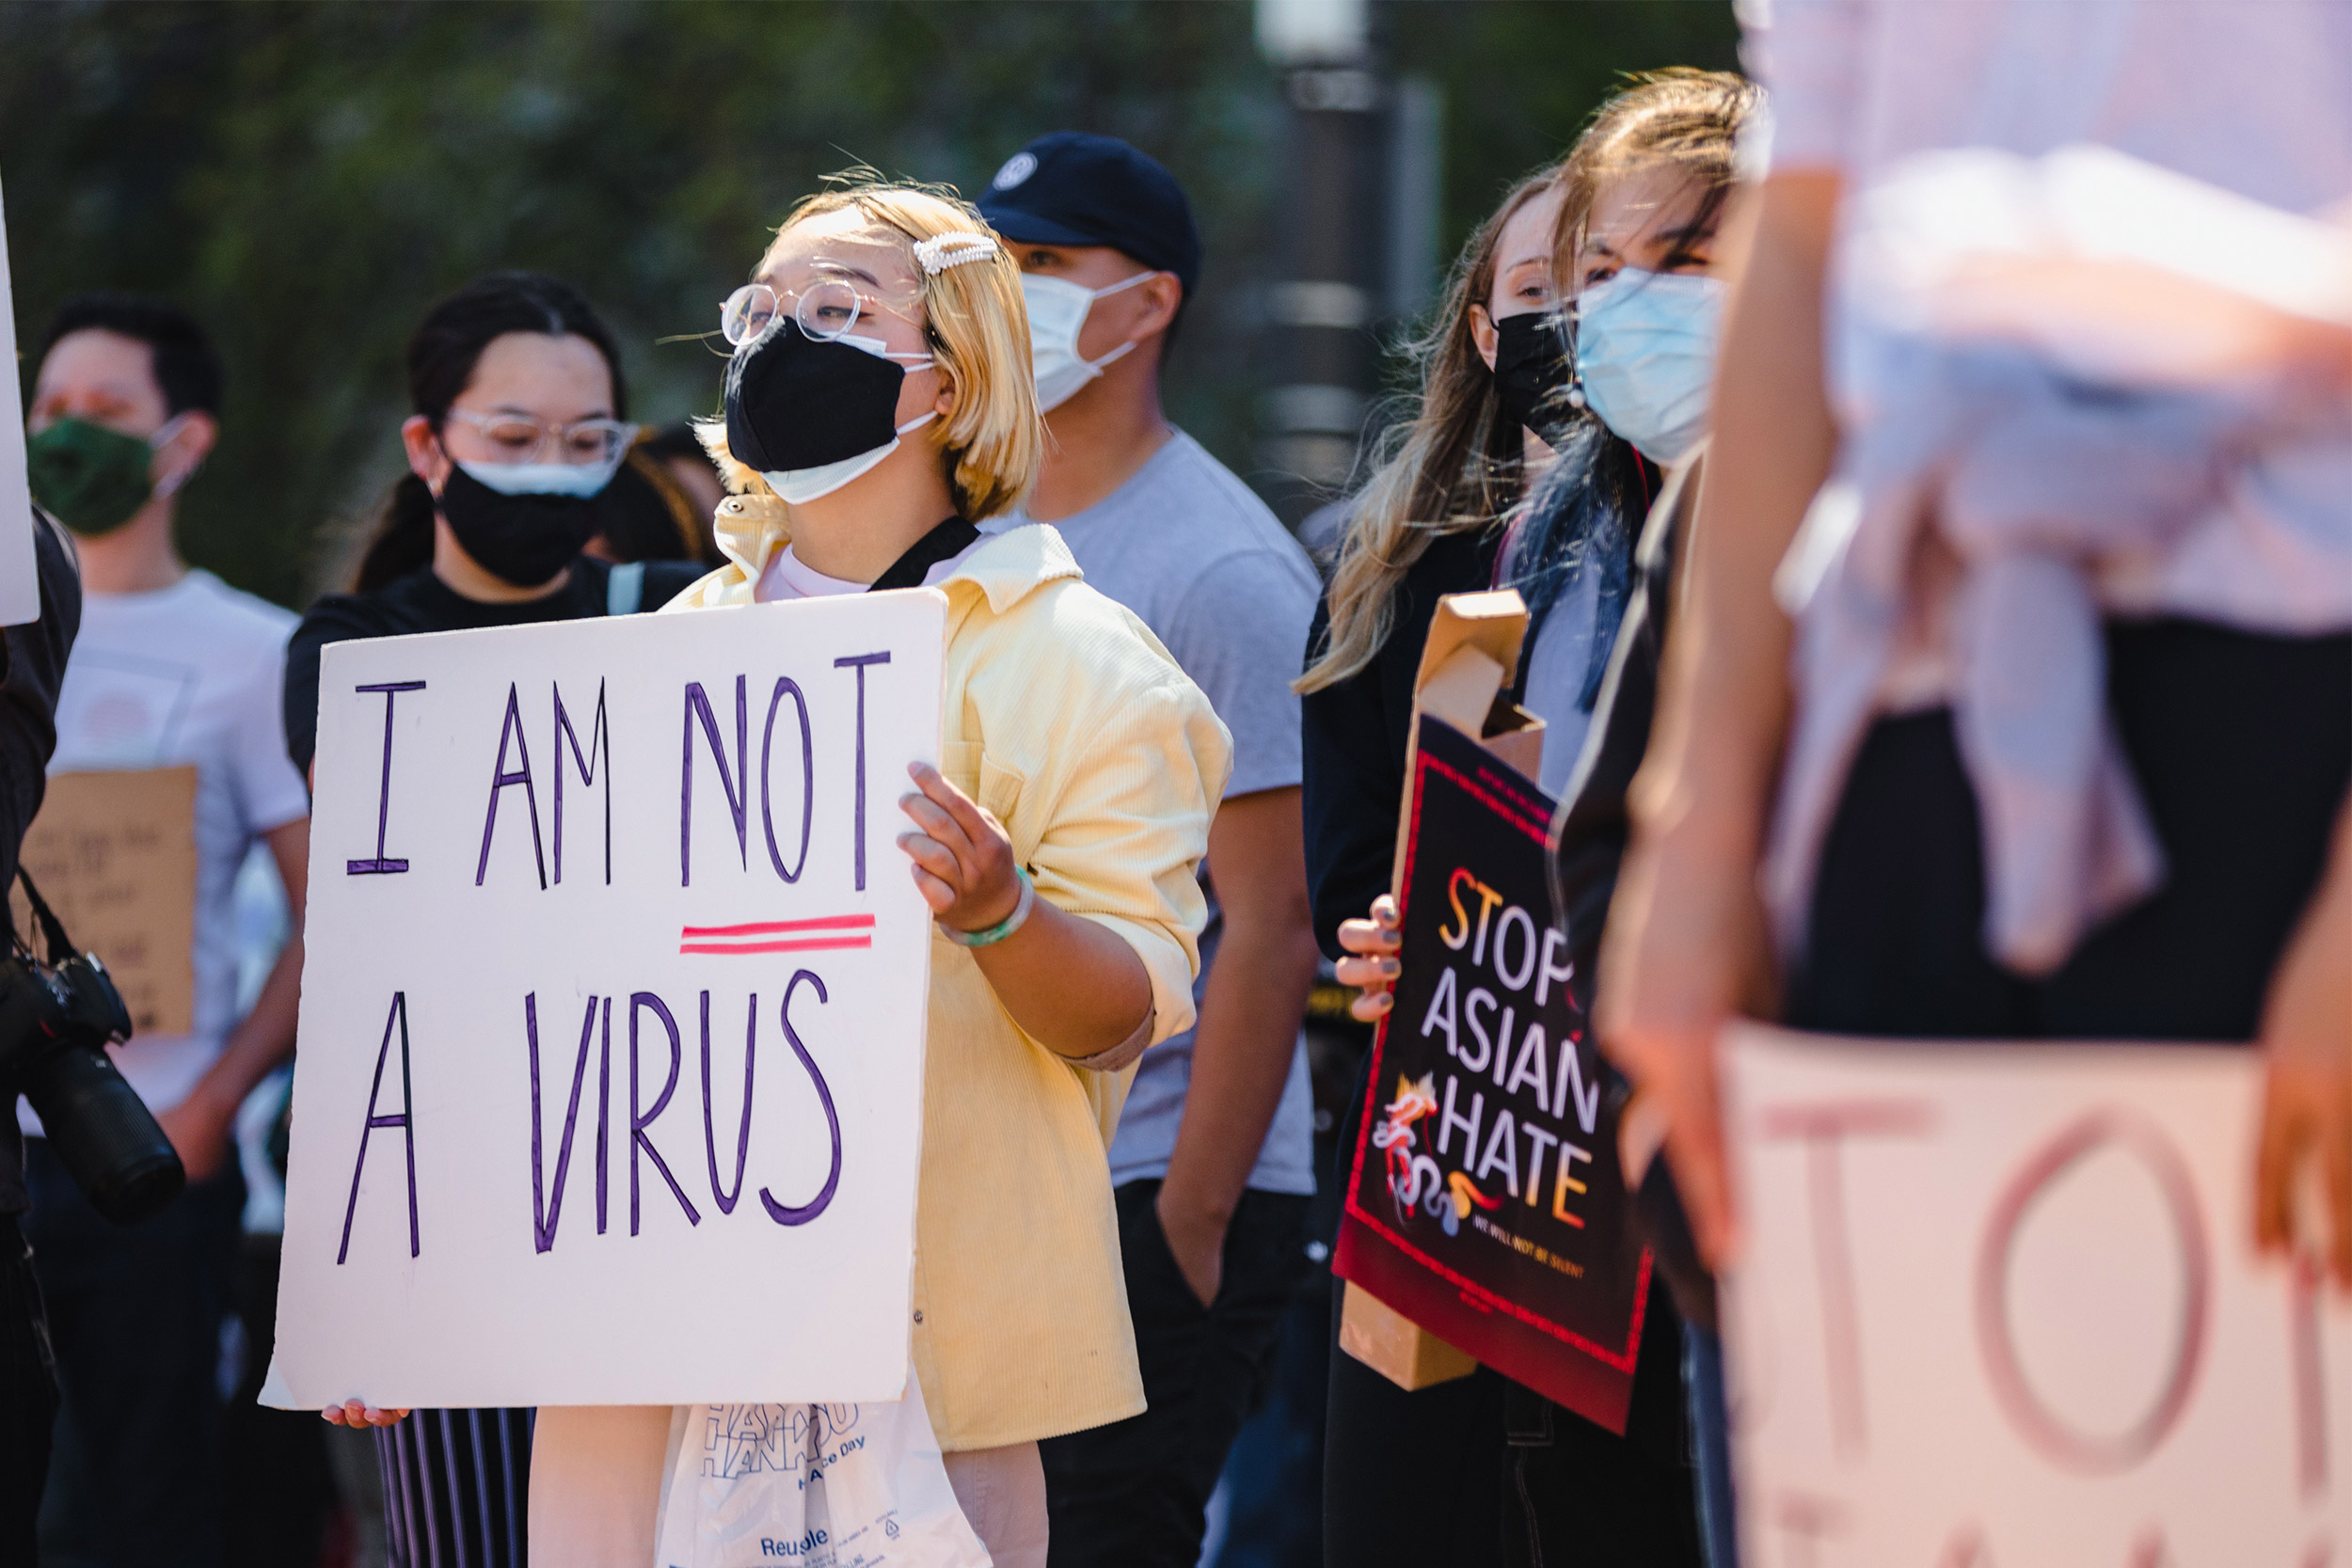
<point x="91" y="479"/>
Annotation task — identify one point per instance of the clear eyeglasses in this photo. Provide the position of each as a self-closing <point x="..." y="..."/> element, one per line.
<point x="826" y="309"/>
<point x="520" y="438"/>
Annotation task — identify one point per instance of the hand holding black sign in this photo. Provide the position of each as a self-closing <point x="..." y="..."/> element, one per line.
<point x="1484" y="1200"/>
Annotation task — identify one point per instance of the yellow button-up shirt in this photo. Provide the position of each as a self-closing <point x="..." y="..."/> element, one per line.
<point x="1068" y="719"/>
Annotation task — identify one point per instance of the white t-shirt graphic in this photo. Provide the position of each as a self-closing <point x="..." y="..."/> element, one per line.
<point x="193" y="674"/>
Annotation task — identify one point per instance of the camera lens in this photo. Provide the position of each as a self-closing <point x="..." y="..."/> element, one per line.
<point x="104" y="1135"/>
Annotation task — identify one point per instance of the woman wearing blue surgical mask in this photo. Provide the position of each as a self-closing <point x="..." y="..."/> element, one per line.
<point x="1596" y="427"/>
<point x="516" y="383"/>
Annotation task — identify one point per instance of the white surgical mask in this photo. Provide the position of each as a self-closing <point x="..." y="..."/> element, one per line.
<point x="799" y="486"/>
<point x="543" y="479"/>
<point x="1645" y="357"/>
<point x="1058" y="313"/>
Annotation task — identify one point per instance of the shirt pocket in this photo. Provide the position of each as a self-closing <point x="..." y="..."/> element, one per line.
<point x="966" y="764"/>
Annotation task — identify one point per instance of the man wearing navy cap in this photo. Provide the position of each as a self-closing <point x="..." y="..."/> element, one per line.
<point x="1213" y="1161"/>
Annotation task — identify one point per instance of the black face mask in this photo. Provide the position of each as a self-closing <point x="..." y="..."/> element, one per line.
<point x="796" y="402"/>
<point x="524" y="540"/>
<point x="1533" y="373"/>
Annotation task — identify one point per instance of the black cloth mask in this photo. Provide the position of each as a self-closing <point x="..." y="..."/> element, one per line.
<point x="524" y="540"/>
<point x="795" y="401"/>
<point x="1534" y="374"/>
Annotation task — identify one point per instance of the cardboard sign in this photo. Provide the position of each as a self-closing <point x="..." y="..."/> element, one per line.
<point x="610" y="1084"/>
<point x="1473" y="637"/>
<point x="1484" y="1200"/>
<point x="1997" y="1307"/>
<point x="20" y="588"/>
<point x="114" y="855"/>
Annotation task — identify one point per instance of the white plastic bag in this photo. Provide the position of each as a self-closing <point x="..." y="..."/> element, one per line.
<point x="814" y="1485"/>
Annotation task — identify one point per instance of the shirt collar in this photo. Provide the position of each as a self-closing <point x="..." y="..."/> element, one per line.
<point x="1006" y="569"/>
<point x="1009" y="566"/>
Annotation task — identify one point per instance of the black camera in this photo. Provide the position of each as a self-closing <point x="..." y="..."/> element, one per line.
<point x="57" y="1020"/>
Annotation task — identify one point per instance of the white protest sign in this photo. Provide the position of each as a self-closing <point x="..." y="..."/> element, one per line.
<point x="610" y="1084"/>
<point x="20" y="588"/>
<point x="1999" y="1306"/>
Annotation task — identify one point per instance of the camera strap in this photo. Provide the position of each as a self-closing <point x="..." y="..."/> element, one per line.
<point x="51" y="930"/>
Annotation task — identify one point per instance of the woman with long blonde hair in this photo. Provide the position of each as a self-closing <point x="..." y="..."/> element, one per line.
<point x="1525" y="469"/>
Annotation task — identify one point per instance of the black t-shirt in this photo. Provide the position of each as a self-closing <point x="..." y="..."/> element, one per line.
<point x="422" y="602"/>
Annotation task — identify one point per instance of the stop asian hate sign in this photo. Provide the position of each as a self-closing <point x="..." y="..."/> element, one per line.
<point x="1997" y="1307"/>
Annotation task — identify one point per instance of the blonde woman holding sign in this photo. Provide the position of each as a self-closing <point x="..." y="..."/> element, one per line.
<point x="879" y="405"/>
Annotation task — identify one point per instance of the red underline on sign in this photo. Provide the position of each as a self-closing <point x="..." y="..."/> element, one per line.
<point x="775" y="927"/>
<point x="803" y="944"/>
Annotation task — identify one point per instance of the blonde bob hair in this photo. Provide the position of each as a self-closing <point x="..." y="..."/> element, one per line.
<point x="976" y="324"/>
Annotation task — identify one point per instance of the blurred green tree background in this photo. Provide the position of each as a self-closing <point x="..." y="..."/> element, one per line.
<point x="307" y="177"/>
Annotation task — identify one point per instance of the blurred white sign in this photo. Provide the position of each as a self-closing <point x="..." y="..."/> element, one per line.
<point x="1998" y="1308"/>
<point x="20" y="589"/>
<point x="610" y="1079"/>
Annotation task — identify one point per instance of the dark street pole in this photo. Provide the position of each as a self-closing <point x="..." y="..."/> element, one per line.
<point x="1332" y="246"/>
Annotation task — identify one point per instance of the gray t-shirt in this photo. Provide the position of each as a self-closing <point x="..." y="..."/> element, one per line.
<point x="1185" y="545"/>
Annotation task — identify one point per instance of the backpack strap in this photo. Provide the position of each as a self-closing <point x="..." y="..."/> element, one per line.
<point x="625" y="590"/>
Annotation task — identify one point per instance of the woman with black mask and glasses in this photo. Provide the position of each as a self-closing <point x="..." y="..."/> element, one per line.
<point x="517" y="389"/>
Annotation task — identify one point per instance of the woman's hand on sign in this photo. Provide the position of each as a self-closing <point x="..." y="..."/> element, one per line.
<point x="1371" y="965"/>
<point x="2307" y="1100"/>
<point x="355" y="1412"/>
<point x="963" y="862"/>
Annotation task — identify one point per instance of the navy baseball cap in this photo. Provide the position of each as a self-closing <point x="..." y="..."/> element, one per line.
<point x="1074" y="188"/>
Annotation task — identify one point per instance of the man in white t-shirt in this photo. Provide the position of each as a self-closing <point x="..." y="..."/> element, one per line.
<point x="173" y="668"/>
<point x="1212" y="1161"/>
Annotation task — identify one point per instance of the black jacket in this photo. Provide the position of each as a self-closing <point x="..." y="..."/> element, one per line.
<point x="1590" y="831"/>
<point x="32" y="667"/>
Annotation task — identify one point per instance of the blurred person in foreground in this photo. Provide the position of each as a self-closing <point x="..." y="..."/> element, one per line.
<point x="1625" y="230"/>
<point x="2182" y="589"/>
<point x="32" y="667"/>
<point x="1213" y="1164"/>
<point x="172" y="668"/>
<point x="516" y="433"/>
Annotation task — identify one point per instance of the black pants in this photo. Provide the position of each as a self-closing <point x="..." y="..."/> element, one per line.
<point x="28" y="1398"/>
<point x="2242" y="748"/>
<point x="1483" y="1472"/>
<point x="1132" y="1494"/>
<point x="134" y="1313"/>
<point x="278" y="1486"/>
<point x="1411" y="1479"/>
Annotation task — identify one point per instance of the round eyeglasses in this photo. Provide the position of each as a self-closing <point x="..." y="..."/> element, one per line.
<point x="521" y="438"/>
<point x="827" y="309"/>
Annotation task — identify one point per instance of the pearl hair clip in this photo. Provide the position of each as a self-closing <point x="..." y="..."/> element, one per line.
<point x="952" y="249"/>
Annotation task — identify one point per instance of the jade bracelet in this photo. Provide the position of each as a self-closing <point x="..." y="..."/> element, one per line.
<point x="1003" y="928"/>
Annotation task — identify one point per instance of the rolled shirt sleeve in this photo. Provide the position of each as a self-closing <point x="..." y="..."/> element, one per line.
<point x="1130" y="826"/>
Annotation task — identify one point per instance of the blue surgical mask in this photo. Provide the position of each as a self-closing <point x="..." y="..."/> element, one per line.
<point x="1645" y="357"/>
